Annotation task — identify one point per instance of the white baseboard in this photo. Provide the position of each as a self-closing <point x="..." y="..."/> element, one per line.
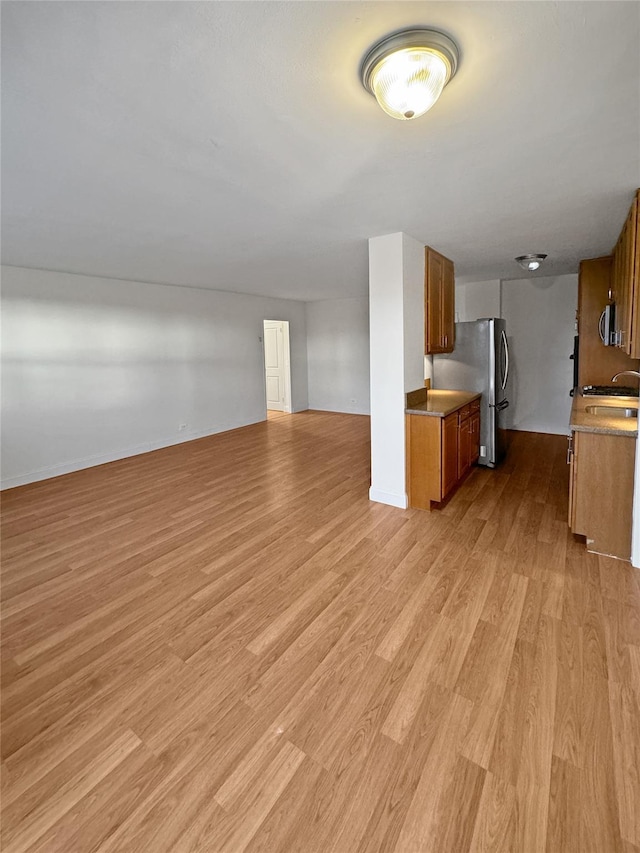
<point x="102" y="458"/>
<point x="348" y="410"/>
<point x="389" y="498"/>
<point x="546" y="429"/>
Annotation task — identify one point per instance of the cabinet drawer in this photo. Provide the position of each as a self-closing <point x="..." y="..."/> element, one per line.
<point x="464" y="412"/>
<point x="475" y="406"/>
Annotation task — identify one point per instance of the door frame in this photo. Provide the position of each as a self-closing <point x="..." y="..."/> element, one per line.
<point x="286" y="351"/>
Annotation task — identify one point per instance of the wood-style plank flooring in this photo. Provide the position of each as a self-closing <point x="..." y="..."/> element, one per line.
<point x="224" y="646"/>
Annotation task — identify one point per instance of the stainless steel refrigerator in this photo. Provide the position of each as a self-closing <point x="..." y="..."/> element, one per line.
<point x="480" y="362"/>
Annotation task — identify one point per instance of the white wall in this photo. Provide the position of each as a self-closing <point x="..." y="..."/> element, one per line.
<point x="396" y="322"/>
<point x="540" y="315"/>
<point x="96" y="369"/>
<point x="476" y="299"/>
<point x="338" y="355"/>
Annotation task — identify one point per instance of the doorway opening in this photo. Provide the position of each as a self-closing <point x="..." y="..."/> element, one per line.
<point x="277" y="365"/>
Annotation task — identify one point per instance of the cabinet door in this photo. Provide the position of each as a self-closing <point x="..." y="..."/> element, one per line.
<point x="449" y="453"/>
<point x="474" y="439"/>
<point x="572" y="473"/>
<point x="434" y="274"/>
<point x="602" y="498"/>
<point x="464" y="447"/>
<point x="626" y="288"/>
<point x="621" y="266"/>
<point x="447" y="302"/>
<point x="439" y="307"/>
<point x="615" y="284"/>
<point x="631" y="342"/>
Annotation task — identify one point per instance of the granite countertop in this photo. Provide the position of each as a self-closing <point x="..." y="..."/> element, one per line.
<point x="438" y="404"/>
<point x="607" y="424"/>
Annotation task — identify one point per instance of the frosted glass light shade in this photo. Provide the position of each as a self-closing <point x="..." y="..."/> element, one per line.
<point x="530" y="262"/>
<point x="408" y="83"/>
<point x="407" y="71"/>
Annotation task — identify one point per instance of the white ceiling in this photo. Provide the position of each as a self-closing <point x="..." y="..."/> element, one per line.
<point x="230" y="145"/>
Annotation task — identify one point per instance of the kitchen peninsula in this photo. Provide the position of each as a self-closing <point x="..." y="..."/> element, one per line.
<point x="442" y="441"/>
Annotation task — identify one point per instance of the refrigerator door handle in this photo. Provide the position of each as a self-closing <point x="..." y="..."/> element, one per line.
<point x="505" y="350"/>
<point x="500" y="407"/>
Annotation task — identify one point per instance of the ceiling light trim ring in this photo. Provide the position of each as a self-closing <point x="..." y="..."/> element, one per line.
<point x="417" y="37"/>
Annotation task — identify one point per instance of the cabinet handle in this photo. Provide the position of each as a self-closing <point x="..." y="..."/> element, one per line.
<point x="569" y="449"/>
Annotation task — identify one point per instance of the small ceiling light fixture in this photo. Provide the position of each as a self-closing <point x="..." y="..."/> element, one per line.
<point x="530" y="262"/>
<point x="407" y="71"/>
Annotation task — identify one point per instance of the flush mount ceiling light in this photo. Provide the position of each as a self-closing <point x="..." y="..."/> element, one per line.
<point x="530" y="262"/>
<point x="407" y="71"/>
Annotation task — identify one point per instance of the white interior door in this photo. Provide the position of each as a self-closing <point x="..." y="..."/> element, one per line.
<point x="276" y="362"/>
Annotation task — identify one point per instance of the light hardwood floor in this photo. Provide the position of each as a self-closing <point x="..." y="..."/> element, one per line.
<point x="224" y="646"/>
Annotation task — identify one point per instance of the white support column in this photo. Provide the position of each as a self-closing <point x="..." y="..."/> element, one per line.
<point x="396" y="326"/>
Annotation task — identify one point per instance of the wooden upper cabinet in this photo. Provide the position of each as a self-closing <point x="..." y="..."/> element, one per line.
<point x="596" y="362"/>
<point x="433" y="278"/>
<point x="626" y="283"/>
<point x="439" y="305"/>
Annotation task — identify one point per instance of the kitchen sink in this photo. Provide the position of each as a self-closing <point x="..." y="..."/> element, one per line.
<point x="613" y="411"/>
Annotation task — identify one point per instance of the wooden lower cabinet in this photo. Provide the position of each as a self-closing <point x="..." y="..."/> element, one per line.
<point x="601" y="472"/>
<point x="440" y="452"/>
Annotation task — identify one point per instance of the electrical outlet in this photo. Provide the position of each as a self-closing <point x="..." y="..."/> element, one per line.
<point x="182" y="427"/>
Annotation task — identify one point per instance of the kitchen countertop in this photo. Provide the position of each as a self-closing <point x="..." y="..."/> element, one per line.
<point x="439" y="404"/>
<point x="582" y="421"/>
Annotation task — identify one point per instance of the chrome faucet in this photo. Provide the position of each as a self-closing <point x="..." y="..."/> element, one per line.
<point x="626" y="373"/>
